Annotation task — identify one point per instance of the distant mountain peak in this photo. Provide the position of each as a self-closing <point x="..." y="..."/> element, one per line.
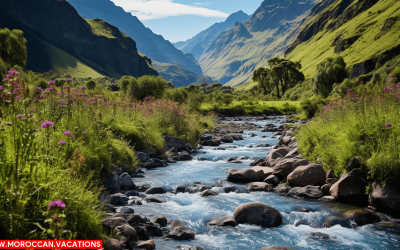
<point x="238" y="16"/>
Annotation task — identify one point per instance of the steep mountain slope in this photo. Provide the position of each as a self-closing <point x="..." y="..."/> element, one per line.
<point x="178" y="75"/>
<point x="150" y="44"/>
<point x="111" y="53"/>
<point x="365" y="32"/>
<point x="239" y="51"/>
<point x="202" y="41"/>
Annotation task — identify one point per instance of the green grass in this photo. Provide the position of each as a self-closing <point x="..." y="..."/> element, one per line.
<point x="100" y="28"/>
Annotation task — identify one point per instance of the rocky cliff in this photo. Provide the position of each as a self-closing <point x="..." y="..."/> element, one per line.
<point x="57" y="23"/>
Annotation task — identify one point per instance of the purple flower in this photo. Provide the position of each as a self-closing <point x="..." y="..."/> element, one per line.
<point x="36" y="100"/>
<point x="133" y="107"/>
<point x="392" y="75"/>
<point x="59" y="93"/>
<point x="389" y="68"/>
<point x="388" y="124"/>
<point x="46" y="124"/>
<point x="11" y="73"/>
<point x="1" y="87"/>
<point x="42" y="96"/>
<point x="8" y="123"/>
<point x="362" y="82"/>
<point x="326" y="117"/>
<point x="5" y="79"/>
<point x="68" y="80"/>
<point x="68" y="133"/>
<point x="63" y="101"/>
<point x="38" y="89"/>
<point x="391" y="79"/>
<point x="349" y="90"/>
<point x="65" y="87"/>
<point x="33" y="110"/>
<point x="51" y="83"/>
<point x="56" y="204"/>
<point x="82" y="88"/>
<point x="19" y="116"/>
<point x="62" y="143"/>
<point x="85" y="133"/>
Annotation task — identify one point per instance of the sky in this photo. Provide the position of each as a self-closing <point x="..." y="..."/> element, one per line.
<point x="179" y="20"/>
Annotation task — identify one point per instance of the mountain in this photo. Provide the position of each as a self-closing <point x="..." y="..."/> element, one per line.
<point x="55" y="27"/>
<point x="237" y="52"/>
<point x="178" y="75"/>
<point x="364" y="32"/>
<point x="148" y="43"/>
<point x="199" y="43"/>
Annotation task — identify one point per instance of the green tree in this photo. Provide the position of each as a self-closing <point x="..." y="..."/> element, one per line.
<point x="203" y="85"/>
<point x="91" y="84"/>
<point x="329" y="72"/>
<point x="3" y="69"/>
<point x="263" y="78"/>
<point x="192" y="88"/>
<point x="124" y="83"/>
<point x="216" y="85"/>
<point x="13" y="47"/>
<point x="147" y="86"/>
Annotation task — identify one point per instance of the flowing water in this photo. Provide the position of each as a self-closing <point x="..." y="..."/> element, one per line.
<point x="193" y="211"/>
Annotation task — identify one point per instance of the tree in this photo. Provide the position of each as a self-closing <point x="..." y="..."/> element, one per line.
<point x="3" y="69"/>
<point x="191" y="87"/>
<point x="124" y="83"/>
<point x="13" y="47"/>
<point x="203" y="85"/>
<point x="329" y="72"/>
<point x="216" y="85"/>
<point x="91" y="84"/>
<point x="147" y="86"/>
<point x="262" y="77"/>
<point x="170" y="85"/>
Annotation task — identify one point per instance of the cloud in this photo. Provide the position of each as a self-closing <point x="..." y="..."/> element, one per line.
<point x="154" y="9"/>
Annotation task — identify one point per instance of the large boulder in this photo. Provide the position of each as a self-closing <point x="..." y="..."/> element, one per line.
<point x="285" y="140"/>
<point x="284" y="167"/>
<point x="312" y="174"/>
<point x="351" y="217"/>
<point x="257" y="213"/>
<point x="125" y="182"/>
<point x="277" y="153"/>
<point x="259" y="186"/>
<point x="265" y="171"/>
<point x="386" y="198"/>
<point x="117" y="199"/>
<point x="111" y="183"/>
<point x="206" y="137"/>
<point x="350" y="187"/>
<point x="148" y="244"/>
<point x="310" y="192"/>
<point x="127" y="230"/>
<point x="174" y="142"/>
<point x="155" y="190"/>
<point x="272" y="179"/>
<point x="227" y="139"/>
<point x="114" y="244"/>
<point x="153" y="163"/>
<point x="142" y="156"/>
<point x="113" y="222"/>
<point x="244" y="175"/>
<point x="180" y="233"/>
<point x="276" y="248"/>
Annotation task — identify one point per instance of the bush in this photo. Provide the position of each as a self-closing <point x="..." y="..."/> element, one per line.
<point x="312" y="105"/>
<point x="13" y="47"/>
<point x="3" y="69"/>
<point x="195" y="100"/>
<point x="179" y="95"/>
<point x="329" y="72"/>
<point x="146" y="86"/>
<point x="91" y="84"/>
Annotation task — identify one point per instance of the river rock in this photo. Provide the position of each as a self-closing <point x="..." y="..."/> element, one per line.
<point x="187" y="247"/>
<point x="272" y="179"/>
<point x="310" y="192"/>
<point x="301" y="222"/>
<point x="132" y="193"/>
<point x="386" y="198"/>
<point x="180" y="233"/>
<point x="148" y="244"/>
<point x="111" y="183"/>
<point x="285" y="140"/>
<point x="284" y="167"/>
<point x="208" y="192"/>
<point x="312" y="174"/>
<point x="155" y="199"/>
<point x="185" y="157"/>
<point x="328" y="198"/>
<point x="181" y="188"/>
<point x="222" y="221"/>
<point x="114" y="244"/>
<point x="264" y="171"/>
<point x="257" y="213"/>
<point x="128" y="231"/>
<point x="206" y="137"/>
<point x="277" y="153"/>
<point x="142" y="156"/>
<point x="155" y="190"/>
<point x="136" y="219"/>
<point x="325" y="189"/>
<point x="117" y="199"/>
<point x="259" y="186"/>
<point x="302" y="162"/>
<point x="126" y="210"/>
<point x="292" y="153"/>
<point x="350" y="217"/>
<point x="263" y="145"/>
<point x="350" y="187"/>
<point x="257" y="162"/>
<point x="276" y="248"/>
<point x="113" y="222"/>
<point x="319" y="235"/>
<point x="142" y="186"/>
<point x="174" y="142"/>
<point x="162" y="221"/>
<point x="244" y="175"/>
<point x="227" y="139"/>
<point x="229" y="189"/>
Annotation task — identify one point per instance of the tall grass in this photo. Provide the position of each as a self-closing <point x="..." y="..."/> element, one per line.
<point x="365" y="125"/>
<point x="57" y="143"/>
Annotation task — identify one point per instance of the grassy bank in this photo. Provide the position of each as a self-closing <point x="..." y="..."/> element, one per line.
<point x="57" y="143"/>
<point x="364" y="124"/>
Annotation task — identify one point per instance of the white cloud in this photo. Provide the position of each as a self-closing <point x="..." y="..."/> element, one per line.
<point x="153" y="9"/>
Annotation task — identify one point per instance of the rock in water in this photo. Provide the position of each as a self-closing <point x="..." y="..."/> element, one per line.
<point x="284" y="167"/>
<point x="174" y="142"/>
<point x="208" y="192"/>
<point x="259" y="186"/>
<point x="244" y="175"/>
<point x="149" y="244"/>
<point x="350" y="187"/>
<point x="276" y="248"/>
<point x="386" y="199"/>
<point x="155" y="190"/>
<point x="117" y="199"/>
<point x="257" y="213"/>
<point x="312" y="174"/>
<point x="180" y="233"/>
<point x="125" y="182"/>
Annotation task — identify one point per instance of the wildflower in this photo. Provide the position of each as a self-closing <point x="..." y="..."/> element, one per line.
<point x="392" y="75"/>
<point x="69" y="81"/>
<point x="19" y="116"/>
<point x="60" y="106"/>
<point x="42" y="96"/>
<point x="82" y="88"/>
<point x="59" y="93"/>
<point x="38" y="89"/>
<point x="388" y="124"/>
<point x="68" y="133"/>
<point x="46" y="124"/>
<point x="33" y="110"/>
<point x="73" y="89"/>
<point x="12" y="73"/>
<point x="133" y="107"/>
<point x="326" y="117"/>
<point x="51" y="83"/>
<point x="55" y="204"/>
<point x="66" y="87"/>
<point x="85" y="133"/>
<point x="8" y="123"/>
<point x="1" y="87"/>
<point x="389" y="68"/>
<point x="63" y="101"/>
<point x="349" y="90"/>
<point x="391" y="79"/>
<point x="5" y="79"/>
<point x="361" y="82"/>
<point x="36" y="100"/>
<point x="17" y="90"/>
<point x="62" y="143"/>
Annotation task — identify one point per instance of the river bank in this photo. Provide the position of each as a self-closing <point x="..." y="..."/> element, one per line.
<point x="193" y="193"/>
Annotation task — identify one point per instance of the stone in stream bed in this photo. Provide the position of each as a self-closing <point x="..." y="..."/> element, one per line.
<point x="222" y="221"/>
<point x="162" y="221"/>
<point x="312" y="174"/>
<point x="350" y="188"/>
<point x="117" y="199"/>
<point x="257" y="213"/>
<point x="125" y="182"/>
<point x="155" y="200"/>
<point x="127" y="210"/>
<point x="155" y="190"/>
<point x="148" y="244"/>
<point x="113" y="222"/>
<point x="284" y="167"/>
<point x="208" y="192"/>
<point x="264" y="171"/>
<point x="244" y="175"/>
<point x="310" y="192"/>
<point x="259" y="187"/>
<point x="276" y="248"/>
<point x="180" y="233"/>
<point x="350" y="217"/>
<point x="272" y="179"/>
<point x="386" y="198"/>
<point x="187" y="247"/>
<point x="319" y="235"/>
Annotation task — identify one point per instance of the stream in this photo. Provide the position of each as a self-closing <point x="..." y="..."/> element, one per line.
<point x="193" y="211"/>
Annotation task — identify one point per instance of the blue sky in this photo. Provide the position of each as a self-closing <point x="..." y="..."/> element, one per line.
<point x="179" y="20"/>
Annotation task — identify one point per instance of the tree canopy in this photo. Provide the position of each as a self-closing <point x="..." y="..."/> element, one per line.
<point x="329" y="72"/>
<point x="13" y="49"/>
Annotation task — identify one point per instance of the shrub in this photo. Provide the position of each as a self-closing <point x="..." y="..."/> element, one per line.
<point x="329" y="72"/>
<point x="91" y="84"/>
<point x="146" y="86"/>
<point x="312" y="105"/>
<point x="179" y="95"/>
<point x="13" y="46"/>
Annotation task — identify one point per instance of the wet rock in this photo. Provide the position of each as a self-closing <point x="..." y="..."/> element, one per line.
<point x="208" y="192"/>
<point x="277" y="153"/>
<point x="389" y="226"/>
<point x="259" y="186"/>
<point x="282" y="188"/>
<point x="185" y="157"/>
<point x="135" y="219"/>
<point x="206" y="137"/>
<point x="329" y="174"/>
<point x="330" y="181"/>
<point x="174" y="142"/>
<point x="114" y="244"/>
<point x="319" y="235"/>
<point x="264" y="171"/>
<point x="350" y="188"/>
<point x="272" y="179"/>
<point x="128" y="231"/>
<point x="153" y="163"/>
<point x="111" y="183"/>
<point x="155" y="199"/>
<point x="284" y="168"/>
<point x="244" y="175"/>
<point x="155" y="190"/>
<point x="216" y="184"/>
<point x="276" y="248"/>
<point x="252" y="135"/>
<point x="135" y="202"/>
<point x="304" y="210"/>
<point x="386" y="198"/>
<point x="312" y="174"/>
<point x="187" y="247"/>
<point x="222" y="221"/>
<point x="301" y="222"/>
<point x="142" y="187"/>
<point x="310" y="192"/>
<point x="149" y="244"/>
<point x="196" y="187"/>
<point x="126" y="210"/>
<point x="162" y="221"/>
<point x="285" y="140"/>
<point x="219" y="149"/>
<point x="292" y="153"/>
<point x="302" y="162"/>
<point x="263" y="145"/>
<point x="117" y="199"/>
<point x="213" y="143"/>
<point x="229" y="189"/>
<point x="257" y="213"/>
<point x="142" y="156"/>
<point x="227" y="139"/>
<point x="325" y="189"/>
<point x="180" y="233"/>
<point x="181" y="188"/>
<point x="328" y="198"/>
<point x="113" y="222"/>
<point x="350" y="217"/>
<point x="257" y="162"/>
<point x="132" y="193"/>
